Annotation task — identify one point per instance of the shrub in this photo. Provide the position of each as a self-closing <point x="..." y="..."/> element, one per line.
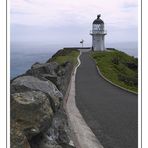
<point x="132" y="65"/>
<point x="128" y="80"/>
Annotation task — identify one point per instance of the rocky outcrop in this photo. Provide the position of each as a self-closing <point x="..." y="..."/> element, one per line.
<point x="31" y="113"/>
<point x="38" y="119"/>
<point x="46" y="70"/>
<point x="33" y="83"/>
<point x="57" y="74"/>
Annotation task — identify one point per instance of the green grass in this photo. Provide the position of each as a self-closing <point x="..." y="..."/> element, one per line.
<point x="67" y="55"/>
<point x="118" y="67"/>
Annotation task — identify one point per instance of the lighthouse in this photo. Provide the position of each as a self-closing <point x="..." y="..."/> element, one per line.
<point x="98" y="33"/>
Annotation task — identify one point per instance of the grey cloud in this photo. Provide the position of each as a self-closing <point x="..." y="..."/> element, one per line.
<point x="129" y="6"/>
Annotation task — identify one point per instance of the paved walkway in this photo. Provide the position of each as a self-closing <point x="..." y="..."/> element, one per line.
<point x="111" y="113"/>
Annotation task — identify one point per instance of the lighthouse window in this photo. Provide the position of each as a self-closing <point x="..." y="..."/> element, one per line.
<point x="102" y="27"/>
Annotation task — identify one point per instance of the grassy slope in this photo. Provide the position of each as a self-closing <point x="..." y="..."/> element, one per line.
<point x="118" y="67"/>
<point x="65" y="55"/>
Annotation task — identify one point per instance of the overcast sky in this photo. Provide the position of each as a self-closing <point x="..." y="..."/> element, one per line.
<point x="68" y="21"/>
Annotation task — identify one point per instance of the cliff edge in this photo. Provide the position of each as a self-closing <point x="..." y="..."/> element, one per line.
<point x="38" y="118"/>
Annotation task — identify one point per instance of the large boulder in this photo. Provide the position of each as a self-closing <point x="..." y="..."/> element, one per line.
<point x="56" y="136"/>
<point x="31" y="114"/>
<point x="17" y="137"/>
<point x="57" y="74"/>
<point x="43" y="68"/>
<point x="26" y="83"/>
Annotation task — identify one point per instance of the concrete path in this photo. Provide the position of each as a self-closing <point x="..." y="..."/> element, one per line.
<point x="110" y="112"/>
<point x="81" y="134"/>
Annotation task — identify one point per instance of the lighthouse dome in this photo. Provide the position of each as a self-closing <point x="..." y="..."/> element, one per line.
<point x="98" y="20"/>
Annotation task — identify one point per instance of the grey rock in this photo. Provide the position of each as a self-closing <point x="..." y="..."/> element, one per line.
<point x="64" y="75"/>
<point x="45" y="68"/>
<point x="33" y="83"/>
<point x="56" y="135"/>
<point x="32" y="111"/>
<point x="31" y="114"/>
<point x="52" y="78"/>
<point x="18" y="139"/>
<point x="59" y="127"/>
<point x="57" y="74"/>
<point x="38" y="119"/>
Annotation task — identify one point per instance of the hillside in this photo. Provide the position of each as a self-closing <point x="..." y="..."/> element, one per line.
<point x="118" y="67"/>
<point x="65" y="55"/>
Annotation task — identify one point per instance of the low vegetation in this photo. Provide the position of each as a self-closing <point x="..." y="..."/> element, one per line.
<point x="118" y="67"/>
<point x="66" y="55"/>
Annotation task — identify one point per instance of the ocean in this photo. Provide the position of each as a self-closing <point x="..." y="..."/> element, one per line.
<point x="23" y="56"/>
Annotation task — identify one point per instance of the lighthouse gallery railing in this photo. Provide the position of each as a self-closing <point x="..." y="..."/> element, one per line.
<point x="98" y="32"/>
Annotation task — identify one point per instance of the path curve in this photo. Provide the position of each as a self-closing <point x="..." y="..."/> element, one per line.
<point x="110" y="112"/>
<point x="83" y="136"/>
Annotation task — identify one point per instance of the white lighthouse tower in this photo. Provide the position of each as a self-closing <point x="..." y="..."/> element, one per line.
<point x="98" y="34"/>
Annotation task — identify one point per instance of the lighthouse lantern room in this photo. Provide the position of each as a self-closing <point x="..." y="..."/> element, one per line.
<point x="98" y="34"/>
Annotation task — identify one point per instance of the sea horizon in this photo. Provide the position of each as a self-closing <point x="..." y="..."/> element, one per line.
<point x="23" y="55"/>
